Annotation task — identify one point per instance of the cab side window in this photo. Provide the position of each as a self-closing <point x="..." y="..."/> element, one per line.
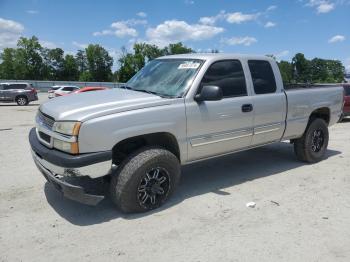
<point x="16" y="86"/>
<point x="228" y="75"/>
<point x="263" y="77"/>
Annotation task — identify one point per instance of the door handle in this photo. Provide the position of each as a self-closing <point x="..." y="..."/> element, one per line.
<point x="247" y="108"/>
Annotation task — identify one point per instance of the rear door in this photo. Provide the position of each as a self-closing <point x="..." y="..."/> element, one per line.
<point x="269" y="102"/>
<point x="6" y="92"/>
<point x="219" y="127"/>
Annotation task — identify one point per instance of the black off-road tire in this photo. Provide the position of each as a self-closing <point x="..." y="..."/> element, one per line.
<point x="305" y="148"/>
<point x="131" y="177"/>
<point x="22" y="100"/>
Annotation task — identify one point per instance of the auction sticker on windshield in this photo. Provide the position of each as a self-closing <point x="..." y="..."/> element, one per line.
<point x="189" y="65"/>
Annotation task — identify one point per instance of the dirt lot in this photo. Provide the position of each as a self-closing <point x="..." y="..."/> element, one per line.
<point x="302" y="211"/>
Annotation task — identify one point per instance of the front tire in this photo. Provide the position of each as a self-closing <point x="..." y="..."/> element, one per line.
<point x="312" y="146"/>
<point x="22" y="101"/>
<point x="145" y="180"/>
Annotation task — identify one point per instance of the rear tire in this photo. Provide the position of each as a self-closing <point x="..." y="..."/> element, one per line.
<point x="312" y="146"/>
<point x="22" y="101"/>
<point x="145" y="180"/>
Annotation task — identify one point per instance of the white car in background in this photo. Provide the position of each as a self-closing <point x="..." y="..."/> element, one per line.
<point x="56" y="91"/>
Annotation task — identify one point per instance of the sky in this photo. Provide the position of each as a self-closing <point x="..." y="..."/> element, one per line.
<point x="317" y="28"/>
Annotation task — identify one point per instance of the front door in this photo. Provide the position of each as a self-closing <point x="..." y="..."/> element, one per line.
<point x="219" y="127"/>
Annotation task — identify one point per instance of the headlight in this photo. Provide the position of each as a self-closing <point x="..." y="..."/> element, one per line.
<point x="68" y="147"/>
<point x="67" y="127"/>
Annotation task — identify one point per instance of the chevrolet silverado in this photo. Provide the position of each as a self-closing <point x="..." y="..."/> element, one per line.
<point x="176" y="110"/>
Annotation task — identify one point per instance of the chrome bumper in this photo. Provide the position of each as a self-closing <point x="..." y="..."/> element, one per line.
<point x="92" y="171"/>
<point x="73" y="192"/>
<point x="66" y="171"/>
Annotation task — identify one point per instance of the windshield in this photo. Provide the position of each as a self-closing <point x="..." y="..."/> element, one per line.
<point x="165" y="77"/>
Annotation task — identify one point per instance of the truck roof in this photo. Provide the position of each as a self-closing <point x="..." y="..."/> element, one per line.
<point x="216" y="56"/>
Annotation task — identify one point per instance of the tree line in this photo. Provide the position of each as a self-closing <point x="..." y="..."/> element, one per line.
<point x="30" y="60"/>
<point x="317" y="70"/>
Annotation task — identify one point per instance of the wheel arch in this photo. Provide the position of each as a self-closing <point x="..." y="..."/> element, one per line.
<point x="322" y="113"/>
<point x="129" y="145"/>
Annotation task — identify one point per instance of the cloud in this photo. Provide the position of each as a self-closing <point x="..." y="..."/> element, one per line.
<point x="336" y="38"/>
<point x="10" y="31"/>
<point x="79" y="45"/>
<point x="48" y="44"/>
<point x="124" y="28"/>
<point x="270" y="24"/>
<point x="246" y="40"/>
<point x="322" y="6"/>
<point x="325" y="8"/>
<point x="189" y="2"/>
<point x="271" y="8"/>
<point x="238" y="17"/>
<point x="171" y="31"/>
<point x="141" y="14"/>
<point x="211" y="20"/>
<point x="232" y="18"/>
<point x="281" y="54"/>
<point x="32" y="12"/>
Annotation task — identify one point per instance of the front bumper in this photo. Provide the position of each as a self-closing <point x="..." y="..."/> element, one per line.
<point x="57" y="167"/>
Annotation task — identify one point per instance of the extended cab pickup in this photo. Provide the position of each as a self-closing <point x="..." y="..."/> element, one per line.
<point x="176" y="110"/>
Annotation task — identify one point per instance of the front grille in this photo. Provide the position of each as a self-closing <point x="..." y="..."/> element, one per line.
<point x="46" y="120"/>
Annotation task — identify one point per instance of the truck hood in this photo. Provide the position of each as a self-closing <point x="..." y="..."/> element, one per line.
<point x="85" y="106"/>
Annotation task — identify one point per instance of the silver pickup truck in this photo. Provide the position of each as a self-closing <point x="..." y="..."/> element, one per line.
<point x="176" y="110"/>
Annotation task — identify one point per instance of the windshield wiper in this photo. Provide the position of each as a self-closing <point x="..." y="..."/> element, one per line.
<point x="153" y="93"/>
<point x="144" y="91"/>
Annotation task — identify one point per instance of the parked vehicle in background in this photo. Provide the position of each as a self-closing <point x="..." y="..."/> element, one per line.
<point x="59" y="90"/>
<point x="346" y="108"/>
<point x="21" y="93"/>
<point x="177" y="110"/>
<point x="347" y="78"/>
<point x="88" y="89"/>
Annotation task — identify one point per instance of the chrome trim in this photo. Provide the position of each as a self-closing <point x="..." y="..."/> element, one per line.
<point x="229" y="153"/>
<point x="206" y="138"/>
<point x="266" y="131"/>
<point x="92" y="171"/>
<point x="277" y="127"/>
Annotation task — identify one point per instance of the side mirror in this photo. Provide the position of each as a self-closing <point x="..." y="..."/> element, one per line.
<point x="209" y="93"/>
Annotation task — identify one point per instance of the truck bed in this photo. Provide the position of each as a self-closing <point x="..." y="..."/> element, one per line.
<point x="302" y="100"/>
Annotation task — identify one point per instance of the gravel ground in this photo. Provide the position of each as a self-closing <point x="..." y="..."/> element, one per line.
<point x="302" y="212"/>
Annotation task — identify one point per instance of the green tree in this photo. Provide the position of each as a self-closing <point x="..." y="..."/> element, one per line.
<point x="28" y="59"/>
<point x="7" y="67"/>
<point x="178" y="48"/>
<point x="81" y="60"/>
<point x="99" y="63"/>
<point x="286" y="69"/>
<point x="70" y="69"/>
<point x="336" y="70"/>
<point x="301" y="66"/>
<point x="54" y="63"/>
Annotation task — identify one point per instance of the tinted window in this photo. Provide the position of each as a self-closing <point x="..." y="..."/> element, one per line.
<point x="347" y="91"/>
<point x="228" y="75"/>
<point x="68" y="88"/>
<point x="16" y="86"/>
<point x="262" y="76"/>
